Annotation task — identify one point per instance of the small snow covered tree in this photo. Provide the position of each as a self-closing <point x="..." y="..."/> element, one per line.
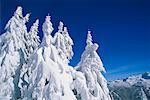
<point x="34" y="39"/>
<point x="63" y="43"/>
<point x="13" y="47"/>
<point x="89" y="40"/>
<point x="92" y="66"/>
<point x="59" y="42"/>
<point x="68" y="44"/>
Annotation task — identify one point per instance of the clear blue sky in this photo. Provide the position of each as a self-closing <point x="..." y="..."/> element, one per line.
<point x="120" y="27"/>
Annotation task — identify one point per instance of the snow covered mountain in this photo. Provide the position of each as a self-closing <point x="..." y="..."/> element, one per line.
<point x="34" y="70"/>
<point x="132" y="88"/>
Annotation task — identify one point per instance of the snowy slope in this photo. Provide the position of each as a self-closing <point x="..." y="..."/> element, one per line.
<point x="135" y="87"/>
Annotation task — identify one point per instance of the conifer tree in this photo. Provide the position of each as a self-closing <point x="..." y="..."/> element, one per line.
<point x="13" y="47"/>
<point x="34" y="39"/>
<point x="92" y="66"/>
<point x="33" y="43"/>
<point x="38" y="71"/>
<point x="59" y="42"/>
<point x="68" y="44"/>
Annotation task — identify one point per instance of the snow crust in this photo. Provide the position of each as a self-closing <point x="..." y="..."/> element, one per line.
<point x="34" y="70"/>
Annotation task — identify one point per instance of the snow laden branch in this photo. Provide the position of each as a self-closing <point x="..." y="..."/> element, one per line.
<point x="34" y="70"/>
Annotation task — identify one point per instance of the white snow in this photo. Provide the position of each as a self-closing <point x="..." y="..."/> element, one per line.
<point x="40" y="71"/>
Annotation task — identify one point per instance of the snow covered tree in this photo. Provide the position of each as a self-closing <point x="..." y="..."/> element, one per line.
<point x="89" y="40"/>
<point x="68" y="44"/>
<point x="63" y="43"/>
<point x="92" y="66"/>
<point x="47" y="78"/>
<point x="59" y="42"/>
<point x="13" y="45"/>
<point x="34" y="39"/>
<point x="47" y="28"/>
<point x="33" y="42"/>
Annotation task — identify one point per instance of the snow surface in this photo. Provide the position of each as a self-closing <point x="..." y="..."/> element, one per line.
<point x="31" y="70"/>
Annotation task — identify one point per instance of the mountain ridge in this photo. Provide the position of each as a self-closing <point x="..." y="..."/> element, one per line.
<point x="135" y="87"/>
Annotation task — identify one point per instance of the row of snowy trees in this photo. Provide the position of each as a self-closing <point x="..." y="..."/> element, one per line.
<point x="34" y="70"/>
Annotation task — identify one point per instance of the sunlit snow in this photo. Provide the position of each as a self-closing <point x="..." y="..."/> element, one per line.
<point x="34" y="70"/>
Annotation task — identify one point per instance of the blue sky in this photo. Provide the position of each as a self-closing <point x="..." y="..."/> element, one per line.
<point x="120" y="27"/>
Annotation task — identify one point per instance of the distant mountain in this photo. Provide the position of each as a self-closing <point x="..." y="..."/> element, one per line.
<point x="135" y="87"/>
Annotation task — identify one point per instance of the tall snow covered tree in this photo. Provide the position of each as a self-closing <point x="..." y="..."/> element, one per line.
<point x="92" y="66"/>
<point x="13" y="45"/>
